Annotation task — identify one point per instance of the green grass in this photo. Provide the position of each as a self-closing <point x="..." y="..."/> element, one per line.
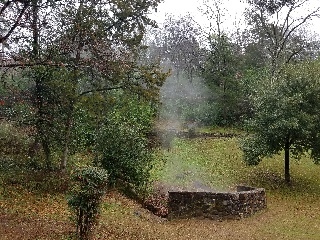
<point x="209" y="161"/>
<point x="219" y="163"/>
<point x="293" y="210"/>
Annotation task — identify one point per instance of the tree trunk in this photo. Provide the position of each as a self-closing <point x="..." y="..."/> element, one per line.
<point x="68" y="128"/>
<point x="35" y="30"/>
<point x="287" y="161"/>
<point x="47" y="153"/>
<point x="64" y="159"/>
<point x="39" y="87"/>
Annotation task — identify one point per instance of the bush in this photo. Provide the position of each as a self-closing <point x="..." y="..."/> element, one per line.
<point x="123" y="144"/>
<point x="84" y="129"/>
<point x="90" y="184"/>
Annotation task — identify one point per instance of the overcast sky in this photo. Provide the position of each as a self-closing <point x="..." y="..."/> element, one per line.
<point x="233" y="10"/>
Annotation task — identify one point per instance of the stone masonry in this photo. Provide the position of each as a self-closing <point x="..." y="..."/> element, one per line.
<point x="243" y="202"/>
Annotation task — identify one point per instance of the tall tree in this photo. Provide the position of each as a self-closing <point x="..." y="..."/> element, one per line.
<point x="222" y="65"/>
<point x="178" y="41"/>
<point x="94" y="43"/>
<point x="276" y="22"/>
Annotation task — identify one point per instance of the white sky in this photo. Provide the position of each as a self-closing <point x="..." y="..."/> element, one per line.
<point x="233" y="10"/>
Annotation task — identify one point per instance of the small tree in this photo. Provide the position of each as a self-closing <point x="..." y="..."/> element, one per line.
<point x="287" y="117"/>
<point x="89" y="188"/>
<point x="123" y="143"/>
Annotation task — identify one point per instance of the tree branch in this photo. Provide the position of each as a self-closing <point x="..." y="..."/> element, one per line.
<point x="293" y="54"/>
<point x="266" y="29"/>
<point x="100" y="90"/>
<point x="4" y="7"/>
<point x="32" y="64"/>
<point x="286" y="36"/>
<point x="286" y="24"/>
<point x="15" y="25"/>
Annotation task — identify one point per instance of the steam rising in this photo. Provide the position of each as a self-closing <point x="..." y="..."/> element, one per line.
<point x="182" y="99"/>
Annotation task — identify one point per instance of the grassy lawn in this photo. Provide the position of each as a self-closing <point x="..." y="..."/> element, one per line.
<point x="293" y="211"/>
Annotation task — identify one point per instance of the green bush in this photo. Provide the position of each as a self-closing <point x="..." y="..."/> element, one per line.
<point x="84" y="130"/>
<point x="90" y="184"/>
<point x="123" y="144"/>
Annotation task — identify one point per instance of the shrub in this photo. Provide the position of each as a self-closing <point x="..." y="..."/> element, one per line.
<point x="90" y="184"/>
<point x="123" y="144"/>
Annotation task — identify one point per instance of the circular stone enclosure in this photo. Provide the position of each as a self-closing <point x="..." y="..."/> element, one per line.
<point x="243" y="202"/>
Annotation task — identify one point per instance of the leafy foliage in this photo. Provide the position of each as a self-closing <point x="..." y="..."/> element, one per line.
<point x="287" y="115"/>
<point x="221" y="74"/>
<point x="123" y="142"/>
<point x="273" y="5"/>
<point x="70" y="49"/>
<point x="86" y="196"/>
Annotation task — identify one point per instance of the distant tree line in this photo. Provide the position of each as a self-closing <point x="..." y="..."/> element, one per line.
<point x="260" y="78"/>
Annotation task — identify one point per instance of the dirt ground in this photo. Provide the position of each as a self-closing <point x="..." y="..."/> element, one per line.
<point x="122" y="218"/>
<point x="13" y="227"/>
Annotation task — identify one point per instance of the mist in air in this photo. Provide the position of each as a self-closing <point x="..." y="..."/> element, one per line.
<point x="184" y="100"/>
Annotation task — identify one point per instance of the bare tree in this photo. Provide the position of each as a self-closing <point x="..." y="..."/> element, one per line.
<point x="11" y="16"/>
<point x="179" y="41"/>
<point x="277" y="21"/>
<point x="215" y="13"/>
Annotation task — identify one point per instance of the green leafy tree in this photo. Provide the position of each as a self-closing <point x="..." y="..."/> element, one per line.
<point x="51" y="94"/>
<point x="287" y="116"/>
<point x="95" y="45"/>
<point x="222" y="67"/>
<point x="222" y="72"/>
<point x="102" y="51"/>
<point x="123" y="142"/>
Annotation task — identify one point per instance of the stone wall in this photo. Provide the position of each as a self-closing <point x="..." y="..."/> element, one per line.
<point x="243" y="202"/>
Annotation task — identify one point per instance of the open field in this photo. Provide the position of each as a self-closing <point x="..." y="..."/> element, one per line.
<point x="26" y="212"/>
